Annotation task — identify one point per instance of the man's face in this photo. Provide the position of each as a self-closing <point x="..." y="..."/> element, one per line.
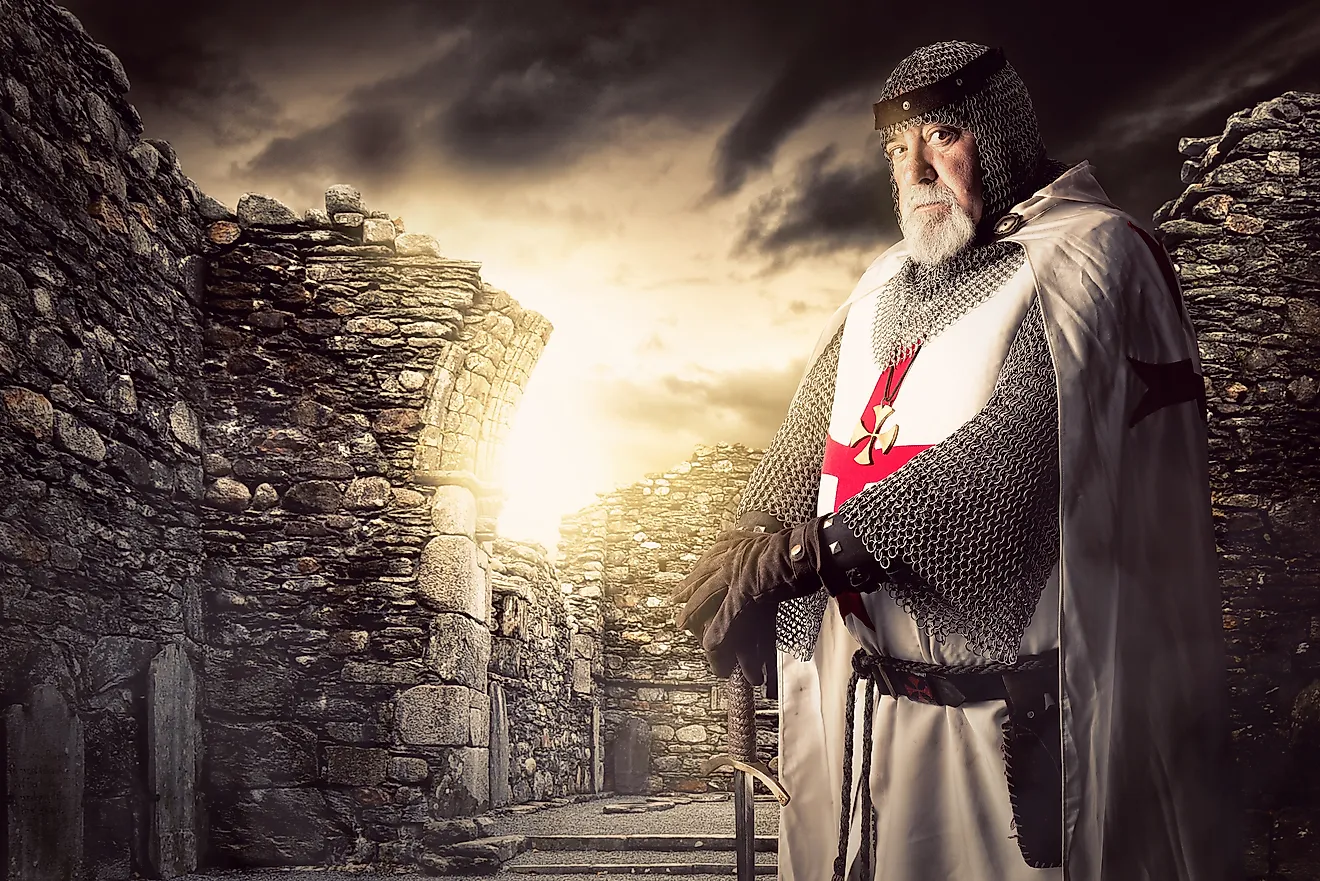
<point x="939" y="189"/>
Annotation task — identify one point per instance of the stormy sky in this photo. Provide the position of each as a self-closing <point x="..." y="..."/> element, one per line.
<point x="685" y="188"/>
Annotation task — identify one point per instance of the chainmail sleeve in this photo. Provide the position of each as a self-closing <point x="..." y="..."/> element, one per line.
<point x="976" y="515"/>
<point x="786" y="485"/>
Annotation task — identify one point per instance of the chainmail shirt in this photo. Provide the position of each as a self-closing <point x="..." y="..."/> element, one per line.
<point x="976" y="515"/>
<point x="786" y="485"/>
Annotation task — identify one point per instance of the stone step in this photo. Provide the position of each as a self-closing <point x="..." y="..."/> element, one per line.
<point x="653" y="842"/>
<point x="633" y="862"/>
<point x="480" y="855"/>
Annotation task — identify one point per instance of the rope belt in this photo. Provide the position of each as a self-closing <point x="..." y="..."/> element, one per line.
<point x="922" y="683"/>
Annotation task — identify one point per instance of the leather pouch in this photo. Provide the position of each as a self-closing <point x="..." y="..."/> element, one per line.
<point x="1033" y="763"/>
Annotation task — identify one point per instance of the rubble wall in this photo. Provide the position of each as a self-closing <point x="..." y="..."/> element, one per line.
<point x="100" y="467"/>
<point x="1245" y="241"/>
<point x="356" y="380"/>
<point x="541" y="667"/>
<point x="628" y="553"/>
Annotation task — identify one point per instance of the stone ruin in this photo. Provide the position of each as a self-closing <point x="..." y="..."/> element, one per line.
<point x="663" y="711"/>
<point x="1244" y="238"/>
<point x="254" y="608"/>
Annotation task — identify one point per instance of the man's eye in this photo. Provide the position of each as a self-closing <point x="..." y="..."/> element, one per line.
<point x="942" y="136"/>
<point x="893" y="152"/>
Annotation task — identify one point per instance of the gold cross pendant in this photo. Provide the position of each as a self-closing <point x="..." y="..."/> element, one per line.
<point x="874" y="437"/>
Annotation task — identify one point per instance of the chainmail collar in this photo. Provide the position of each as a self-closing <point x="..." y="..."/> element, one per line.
<point x="921" y="300"/>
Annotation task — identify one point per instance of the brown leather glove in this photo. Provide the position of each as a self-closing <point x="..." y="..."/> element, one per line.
<point x="731" y="594"/>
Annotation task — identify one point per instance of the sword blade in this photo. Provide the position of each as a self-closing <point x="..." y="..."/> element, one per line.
<point x="744" y="825"/>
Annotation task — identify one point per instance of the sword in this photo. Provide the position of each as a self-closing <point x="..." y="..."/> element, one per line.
<point x="741" y="757"/>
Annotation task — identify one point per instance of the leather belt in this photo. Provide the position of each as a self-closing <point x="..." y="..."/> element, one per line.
<point x="946" y="686"/>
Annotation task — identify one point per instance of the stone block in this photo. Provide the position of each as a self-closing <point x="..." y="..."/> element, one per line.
<point x="462" y="782"/>
<point x="172" y="758"/>
<point x="260" y="754"/>
<point x="480" y="717"/>
<point x="340" y="198"/>
<point x="273" y="827"/>
<point x="258" y="210"/>
<point x="355" y="766"/>
<point x="454" y="511"/>
<point x="227" y="494"/>
<point x="459" y="650"/>
<point x="184" y="426"/>
<point x="434" y="715"/>
<point x="584" y="645"/>
<point x="439" y="834"/>
<point x="30" y="412"/>
<point x="378" y="673"/>
<point x="407" y="769"/>
<point x="347" y="642"/>
<point x="44" y="776"/>
<point x="21" y="546"/>
<point x="582" y="683"/>
<point x="314" y="497"/>
<point x="597" y="752"/>
<point x="631" y="759"/>
<point x="415" y="244"/>
<point x="250" y="691"/>
<point x="347" y="219"/>
<point x="377" y="232"/>
<point x="76" y="437"/>
<point x="366" y="493"/>
<point x="450" y="578"/>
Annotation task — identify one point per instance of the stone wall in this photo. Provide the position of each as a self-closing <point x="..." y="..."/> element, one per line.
<point x="357" y="384"/>
<point x="100" y="467"/>
<point x="663" y="713"/>
<point x="541" y="671"/>
<point x="1245" y="238"/>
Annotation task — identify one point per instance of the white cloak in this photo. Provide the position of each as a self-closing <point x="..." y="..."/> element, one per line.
<point x="1133" y="606"/>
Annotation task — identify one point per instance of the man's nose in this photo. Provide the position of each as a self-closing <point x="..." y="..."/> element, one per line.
<point x="918" y="169"/>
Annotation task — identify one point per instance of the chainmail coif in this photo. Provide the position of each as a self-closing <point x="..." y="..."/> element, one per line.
<point x="1000" y="116"/>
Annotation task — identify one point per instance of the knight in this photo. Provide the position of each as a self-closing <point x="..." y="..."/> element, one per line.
<point x="978" y="552"/>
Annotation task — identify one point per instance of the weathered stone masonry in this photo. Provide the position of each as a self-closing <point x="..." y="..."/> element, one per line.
<point x="664" y="714"/>
<point x="247" y="544"/>
<point x="100" y="467"/>
<point x="1245" y="237"/>
<point x="357" y="384"/>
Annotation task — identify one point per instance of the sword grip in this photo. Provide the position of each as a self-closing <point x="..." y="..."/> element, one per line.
<point x="742" y="718"/>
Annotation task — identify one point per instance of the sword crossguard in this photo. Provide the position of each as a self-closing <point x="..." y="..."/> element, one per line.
<point x="758" y="770"/>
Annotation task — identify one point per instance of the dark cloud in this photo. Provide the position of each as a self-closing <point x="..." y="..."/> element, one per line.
<point x="828" y="206"/>
<point x="529" y="84"/>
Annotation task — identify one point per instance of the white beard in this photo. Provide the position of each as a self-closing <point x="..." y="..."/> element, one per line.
<point x="934" y="236"/>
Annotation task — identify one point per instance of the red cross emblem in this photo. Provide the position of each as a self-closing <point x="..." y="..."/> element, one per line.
<point x="917" y="688"/>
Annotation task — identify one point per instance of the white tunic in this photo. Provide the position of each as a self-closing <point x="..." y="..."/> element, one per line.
<point x="1133" y="604"/>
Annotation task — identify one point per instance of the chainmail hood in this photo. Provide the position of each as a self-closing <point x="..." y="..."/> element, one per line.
<point x="999" y="115"/>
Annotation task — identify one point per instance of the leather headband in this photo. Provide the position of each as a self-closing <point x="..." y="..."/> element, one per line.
<point x="959" y="84"/>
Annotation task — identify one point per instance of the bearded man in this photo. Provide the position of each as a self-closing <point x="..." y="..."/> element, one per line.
<point x="986" y="519"/>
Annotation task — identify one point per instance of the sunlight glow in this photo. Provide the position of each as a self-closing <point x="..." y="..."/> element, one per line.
<point x="554" y="460"/>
